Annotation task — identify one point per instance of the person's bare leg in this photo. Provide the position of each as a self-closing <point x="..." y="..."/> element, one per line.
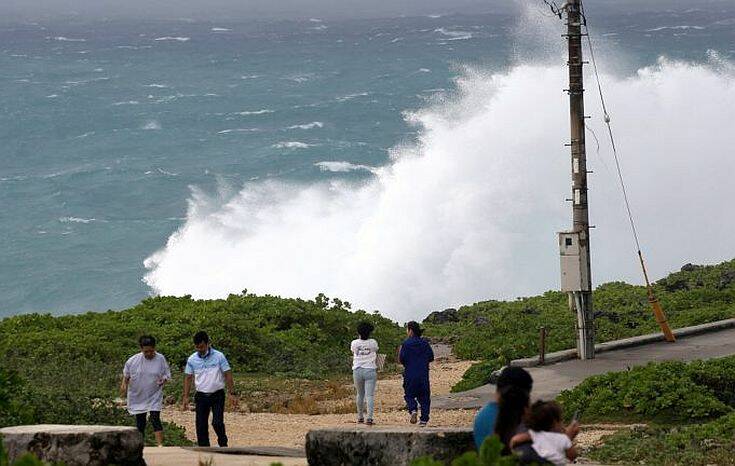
<point x="159" y="438"/>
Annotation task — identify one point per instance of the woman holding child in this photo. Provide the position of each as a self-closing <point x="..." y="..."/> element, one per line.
<point x="525" y="430"/>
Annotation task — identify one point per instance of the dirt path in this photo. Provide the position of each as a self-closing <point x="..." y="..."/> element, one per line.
<point x="289" y="430"/>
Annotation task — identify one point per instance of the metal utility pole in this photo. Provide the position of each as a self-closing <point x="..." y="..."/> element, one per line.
<point x="575" y="244"/>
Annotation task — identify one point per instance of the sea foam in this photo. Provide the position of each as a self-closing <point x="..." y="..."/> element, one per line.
<point x="291" y="145"/>
<point x="343" y="167"/>
<point x="469" y="212"/>
<point x="176" y="39"/>
<point x="312" y="125"/>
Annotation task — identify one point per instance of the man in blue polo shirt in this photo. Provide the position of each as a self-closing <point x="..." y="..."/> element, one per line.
<point x="211" y="374"/>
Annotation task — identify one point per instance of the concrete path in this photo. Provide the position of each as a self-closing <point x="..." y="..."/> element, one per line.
<point x="550" y="380"/>
<point x="176" y="456"/>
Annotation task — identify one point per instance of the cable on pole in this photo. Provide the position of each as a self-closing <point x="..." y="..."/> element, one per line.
<point x="607" y="119"/>
<point x="554" y="8"/>
<point x="657" y="310"/>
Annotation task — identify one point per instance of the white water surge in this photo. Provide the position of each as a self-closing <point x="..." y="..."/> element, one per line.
<point x="470" y="211"/>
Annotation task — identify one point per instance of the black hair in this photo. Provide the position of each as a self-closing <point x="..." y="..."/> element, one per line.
<point x="364" y="329"/>
<point x="415" y="328"/>
<point x="147" y="340"/>
<point x="201" y="337"/>
<point x="514" y="387"/>
<point x="543" y="416"/>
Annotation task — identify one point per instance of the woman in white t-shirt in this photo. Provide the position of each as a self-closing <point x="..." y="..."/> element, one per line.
<point x="144" y="375"/>
<point x="364" y="371"/>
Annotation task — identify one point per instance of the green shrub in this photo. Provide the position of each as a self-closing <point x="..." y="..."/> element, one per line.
<point x="66" y="370"/>
<point x="499" y="331"/>
<point x="490" y="455"/>
<point x="695" y="445"/>
<point x="718" y="375"/>
<point x="478" y="374"/>
<point x="662" y="392"/>
<point x="291" y="337"/>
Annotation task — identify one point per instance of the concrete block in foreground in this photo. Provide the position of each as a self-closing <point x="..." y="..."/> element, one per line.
<point x="385" y="446"/>
<point x="76" y="445"/>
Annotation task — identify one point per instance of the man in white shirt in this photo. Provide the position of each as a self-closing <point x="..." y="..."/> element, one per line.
<point x="211" y="373"/>
<point x="144" y="375"/>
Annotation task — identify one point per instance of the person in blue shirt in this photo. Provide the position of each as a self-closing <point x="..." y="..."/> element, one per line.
<point x="415" y="354"/>
<point x="504" y="416"/>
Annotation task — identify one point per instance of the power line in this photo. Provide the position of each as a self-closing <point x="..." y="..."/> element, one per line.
<point x="607" y="120"/>
<point x="554" y="8"/>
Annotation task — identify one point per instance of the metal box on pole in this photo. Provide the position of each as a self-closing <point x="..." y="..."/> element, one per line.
<point x="573" y="254"/>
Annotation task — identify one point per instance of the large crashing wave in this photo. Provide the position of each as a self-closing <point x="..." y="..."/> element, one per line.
<point x="470" y="211"/>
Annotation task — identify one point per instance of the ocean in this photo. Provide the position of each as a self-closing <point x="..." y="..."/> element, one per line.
<point x="349" y="157"/>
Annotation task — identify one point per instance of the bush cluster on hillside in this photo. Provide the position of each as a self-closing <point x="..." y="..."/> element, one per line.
<point x="67" y="369"/>
<point x="258" y="333"/>
<point x="498" y="331"/>
<point x="663" y="392"/>
<point x="689" y="408"/>
<point x="704" y="444"/>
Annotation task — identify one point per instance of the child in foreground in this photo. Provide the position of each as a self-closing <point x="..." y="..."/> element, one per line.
<point x="547" y="434"/>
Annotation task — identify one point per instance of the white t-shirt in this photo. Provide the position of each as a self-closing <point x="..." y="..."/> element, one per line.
<point x="551" y="446"/>
<point x="145" y="392"/>
<point x="364" y="353"/>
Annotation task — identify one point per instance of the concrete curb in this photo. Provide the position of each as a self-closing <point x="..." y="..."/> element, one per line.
<point x="565" y="355"/>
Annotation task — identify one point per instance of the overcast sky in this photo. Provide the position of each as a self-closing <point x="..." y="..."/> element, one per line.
<point x="251" y="9"/>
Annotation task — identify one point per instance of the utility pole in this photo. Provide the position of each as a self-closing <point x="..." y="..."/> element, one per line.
<point x="575" y="244"/>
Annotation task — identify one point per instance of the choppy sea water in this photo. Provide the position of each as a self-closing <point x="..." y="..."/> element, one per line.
<point x="106" y="127"/>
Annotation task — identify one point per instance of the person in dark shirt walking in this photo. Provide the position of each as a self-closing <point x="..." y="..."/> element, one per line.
<point x="415" y="354"/>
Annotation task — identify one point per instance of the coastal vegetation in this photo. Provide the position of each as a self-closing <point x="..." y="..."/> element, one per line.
<point x="290" y="355"/>
<point x="67" y="369"/>
<point x="495" y="332"/>
<point x="685" y="412"/>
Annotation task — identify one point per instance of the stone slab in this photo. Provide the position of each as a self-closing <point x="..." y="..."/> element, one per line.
<point x="385" y="446"/>
<point x="76" y="445"/>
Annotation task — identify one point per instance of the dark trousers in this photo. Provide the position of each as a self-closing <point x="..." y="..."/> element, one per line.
<point x="214" y="402"/>
<point x="418" y="394"/>
<point x="155" y="416"/>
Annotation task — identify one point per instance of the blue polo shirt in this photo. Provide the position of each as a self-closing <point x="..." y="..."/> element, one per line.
<point x="208" y="370"/>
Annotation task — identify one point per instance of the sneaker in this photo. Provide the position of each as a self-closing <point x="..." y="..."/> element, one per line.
<point x="369" y="422"/>
<point x="422" y="424"/>
<point x="361" y="421"/>
<point x="414" y="417"/>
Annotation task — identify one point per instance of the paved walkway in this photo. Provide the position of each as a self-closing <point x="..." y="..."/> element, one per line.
<point x="550" y="380"/>
<point x="175" y="456"/>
